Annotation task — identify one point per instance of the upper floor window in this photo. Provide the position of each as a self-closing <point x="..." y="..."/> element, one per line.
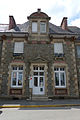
<point x="60" y="78"/>
<point x="58" y="48"/>
<point x="78" y="51"/>
<point x="42" y="27"/>
<point x="18" y="47"/>
<point x="17" y="76"/>
<point x="34" y="27"/>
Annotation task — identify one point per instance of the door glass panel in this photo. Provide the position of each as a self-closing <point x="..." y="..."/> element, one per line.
<point x="36" y="73"/>
<point x="41" y="81"/>
<point x="41" y="89"/>
<point x="57" y="79"/>
<point x="20" y="78"/>
<point x="62" y="79"/>
<point x="36" y="81"/>
<point x="41" y="73"/>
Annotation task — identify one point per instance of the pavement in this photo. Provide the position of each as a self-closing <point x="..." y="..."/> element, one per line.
<point x="36" y="104"/>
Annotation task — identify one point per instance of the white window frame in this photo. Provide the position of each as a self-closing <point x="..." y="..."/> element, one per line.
<point x="17" y="71"/>
<point x="42" y="23"/>
<point x="18" y="47"/>
<point x="34" y="27"/>
<point x="59" y="72"/>
<point x="57" y="48"/>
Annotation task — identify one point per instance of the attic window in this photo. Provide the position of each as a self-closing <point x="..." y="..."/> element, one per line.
<point x="34" y="27"/>
<point x="42" y="27"/>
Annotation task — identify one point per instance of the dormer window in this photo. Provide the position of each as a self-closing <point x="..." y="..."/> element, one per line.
<point x="42" y="27"/>
<point x="34" y="27"/>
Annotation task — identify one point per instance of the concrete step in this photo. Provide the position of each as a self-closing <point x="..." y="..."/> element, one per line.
<point x="39" y="98"/>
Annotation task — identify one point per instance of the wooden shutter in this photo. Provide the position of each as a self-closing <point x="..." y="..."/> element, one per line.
<point x="58" y="48"/>
<point x="18" y="47"/>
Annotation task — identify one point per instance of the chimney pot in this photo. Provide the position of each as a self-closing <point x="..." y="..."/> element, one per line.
<point x="38" y="10"/>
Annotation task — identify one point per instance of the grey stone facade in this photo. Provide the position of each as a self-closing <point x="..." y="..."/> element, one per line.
<point x="39" y="49"/>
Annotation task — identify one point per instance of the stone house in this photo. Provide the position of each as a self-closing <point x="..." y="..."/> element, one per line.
<point x="39" y="59"/>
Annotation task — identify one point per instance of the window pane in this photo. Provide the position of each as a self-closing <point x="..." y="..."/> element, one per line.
<point x="78" y="51"/>
<point x="58" y="48"/>
<point x="41" y="81"/>
<point x="41" y="73"/>
<point x="20" y="67"/>
<point x="56" y="69"/>
<point x="41" y="67"/>
<point x="42" y="27"/>
<point x="13" y="81"/>
<point x="62" y="77"/>
<point x="14" y="78"/>
<point x="18" y="47"/>
<point x="20" y="78"/>
<point x="36" y="81"/>
<point x="35" y="67"/>
<point x="34" y="26"/>
<point x="57" y="79"/>
<point x="14" y="68"/>
<point x="61" y="69"/>
<point x="36" y="73"/>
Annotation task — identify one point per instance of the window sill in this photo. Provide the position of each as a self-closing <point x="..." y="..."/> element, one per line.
<point x="18" y="55"/>
<point x="16" y="87"/>
<point x="34" y="32"/>
<point x="60" y="87"/>
<point x="43" y="33"/>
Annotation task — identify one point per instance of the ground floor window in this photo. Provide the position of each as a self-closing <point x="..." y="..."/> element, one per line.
<point x="17" y="76"/>
<point x="60" y="77"/>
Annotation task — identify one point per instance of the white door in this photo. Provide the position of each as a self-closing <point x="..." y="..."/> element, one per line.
<point x="38" y="80"/>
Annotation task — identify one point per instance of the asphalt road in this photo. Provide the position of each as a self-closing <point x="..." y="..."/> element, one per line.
<point x="65" y="113"/>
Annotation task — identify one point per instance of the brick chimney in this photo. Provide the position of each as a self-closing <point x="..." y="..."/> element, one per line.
<point x="12" y="23"/>
<point x="64" y="23"/>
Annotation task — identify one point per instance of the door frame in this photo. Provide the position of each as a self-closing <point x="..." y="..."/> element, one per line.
<point x="45" y="75"/>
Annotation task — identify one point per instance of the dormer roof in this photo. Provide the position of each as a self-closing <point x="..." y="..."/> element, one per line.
<point x="38" y="15"/>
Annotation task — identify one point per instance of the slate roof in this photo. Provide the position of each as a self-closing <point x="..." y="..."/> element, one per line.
<point x="53" y="29"/>
<point x="74" y="29"/>
<point x="57" y="29"/>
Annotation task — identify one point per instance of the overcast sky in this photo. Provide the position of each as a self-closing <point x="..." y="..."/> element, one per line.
<point x="56" y="9"/>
